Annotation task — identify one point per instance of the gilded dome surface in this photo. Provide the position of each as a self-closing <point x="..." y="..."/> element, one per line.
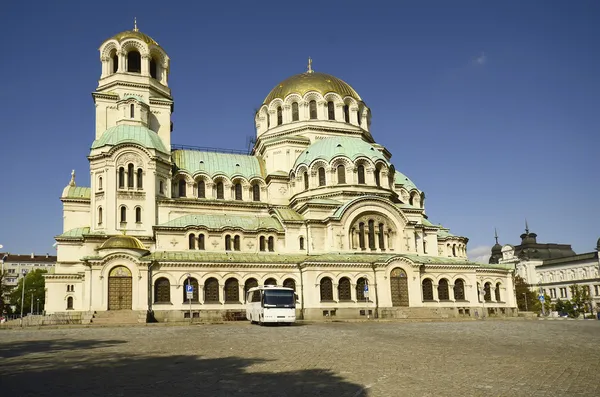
<point x="127" y="242"/>
<point x="134" y="34"/>
<point x="311" y="81"/>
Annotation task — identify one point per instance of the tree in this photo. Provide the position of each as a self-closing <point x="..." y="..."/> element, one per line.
<point x="524" y="294"/>
<point x="547" y="304"/>
<point x="35" y="287"/>
<point x="581" y="298"/>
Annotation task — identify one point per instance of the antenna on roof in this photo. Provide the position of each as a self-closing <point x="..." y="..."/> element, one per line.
<point x="250" y="141"/>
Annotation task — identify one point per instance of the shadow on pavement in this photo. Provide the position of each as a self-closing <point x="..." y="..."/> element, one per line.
<point x="68" y="368"/>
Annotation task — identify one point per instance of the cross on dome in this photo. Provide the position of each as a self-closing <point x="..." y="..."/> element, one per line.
<point x="135" y="28"/>
<point x="309" y="65"/>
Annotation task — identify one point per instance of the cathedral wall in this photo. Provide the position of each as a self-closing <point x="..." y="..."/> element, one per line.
<point x="279" y="192"/>
<point x="75" y="215"/>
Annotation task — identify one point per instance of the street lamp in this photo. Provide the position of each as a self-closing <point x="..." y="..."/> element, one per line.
<point x="23" y="297"/>
<point x="525" y="300"/>
<point x="38" y="306"/>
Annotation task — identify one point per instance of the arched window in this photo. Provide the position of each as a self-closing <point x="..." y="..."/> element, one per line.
<point x="256" y="192"/>
<point x="301" y="241"/>
<point x="201" y="242"/>
<point x="138" y="215"/>
<point x="487" y="292"/>
<point x="344" y="289"/>
<point x="100" y="183"/>
<point x="377" y="177"/>
<point x="341" y="174"/>
<point x="295" y="113"/>
<point x="211" y="290"/>
<point x="271" y="244"/>
<point x="459" y="289"/>
<point x="162" y="290"/>
<point x="279" y="115"/>
<point x="305" y="176"/>
<point x="121" y="178"/>
<point x="497" y="293"/>
<point x="427" y="290"/>
<point x="161" y="187"/>
<point x="115" y="63"/>
<point x="140" y="178"/>
<point x="192" y="241"/>
<point x="238" y="191"/>
<point x="153" y="69"/>
<point x="131" y="111"/>
<point x="70" y="303"/>
<point x="361" y="174"/>
<point x="130" y="175"/>
<point x="228" y="243"/>
<point x="134" y="62"/>
<point x="381" y="237"/>
<point x="270" y="281"/>
<point x="195" y="294"/>
<point x="371" y="234"/>
<point x="321" y="176"/>
<point x="250" y="283"/>
<point x="346" y="114"/>
<point x="182" y="188"/>
<point x="330" y="111"/>
<point x="326" y="289"/>
<point x="123" y="214"/>
<point x="361" y="236"/>
<point x="236" y="243"/>
<point x="201" y="189"/>
<point x="360" y="289"/>
<point x="99" y="215"/>
<point x="232" y="291"/>
<point x="443" y="293"/>
<point x="312" y="108"/>
<point x="261" y="243"/>
<point x="289" y="283"/>
<point x="220" y="191"/>
<point x="359" y="116"/>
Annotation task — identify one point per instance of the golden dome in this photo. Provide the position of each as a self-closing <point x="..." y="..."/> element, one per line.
<point x="311" y="81"/>
<point x="127" y="242"/>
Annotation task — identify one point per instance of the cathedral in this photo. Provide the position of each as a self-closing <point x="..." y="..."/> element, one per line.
<point x="316" y="205"/>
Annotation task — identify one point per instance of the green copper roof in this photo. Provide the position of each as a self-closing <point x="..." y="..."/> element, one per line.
<point x="328" y="148"/>
<point x="249" y="223"/>
<point x="78" y="232"/>
<point x="211" y="163"/>
<point x="78" y="192"/>
<point x="130" y="134"/>
<point x="401" y="179"/>
<point x="426" y="222"/>
<point x="443" y="233"/>
<point x="288" y="214"/>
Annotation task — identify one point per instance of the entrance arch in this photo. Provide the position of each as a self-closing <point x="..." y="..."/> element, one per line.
<point x="119" y="288"/>
<point x="399" y="287"/>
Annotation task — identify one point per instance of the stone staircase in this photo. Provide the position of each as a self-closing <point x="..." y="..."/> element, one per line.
<point x="118" y="317"/>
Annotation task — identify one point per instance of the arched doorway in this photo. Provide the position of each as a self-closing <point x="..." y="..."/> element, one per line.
<point x="119" y="289"/>
<point x="399" y="287"/>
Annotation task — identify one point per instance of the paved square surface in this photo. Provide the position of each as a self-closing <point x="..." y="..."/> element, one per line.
<point x="483" y="358"/>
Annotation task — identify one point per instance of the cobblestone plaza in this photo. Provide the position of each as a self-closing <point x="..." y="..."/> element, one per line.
<point x="474" y="358"/>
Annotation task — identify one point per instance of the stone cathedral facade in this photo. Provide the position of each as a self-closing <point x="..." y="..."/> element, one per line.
<point x="317" y="206"/>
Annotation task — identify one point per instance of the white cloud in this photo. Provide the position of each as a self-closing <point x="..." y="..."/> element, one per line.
<point x="480" y="254"/>
<point x="480" y="60"/>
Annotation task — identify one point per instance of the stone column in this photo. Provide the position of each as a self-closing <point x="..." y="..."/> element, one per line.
<point x="353" y="116"/>
<point x="145" y="70"/>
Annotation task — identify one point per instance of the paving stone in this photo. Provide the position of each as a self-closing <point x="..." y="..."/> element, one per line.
<point x="476" y="358"/>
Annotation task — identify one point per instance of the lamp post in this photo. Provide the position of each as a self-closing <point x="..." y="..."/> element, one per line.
<point x="525" y="300"/>
<point x="38" y="306"/>
<point x="190" y="297"/>
<point x="23" y="297"/>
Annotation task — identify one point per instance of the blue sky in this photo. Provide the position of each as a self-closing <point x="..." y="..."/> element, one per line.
<point x="491" y="108"/>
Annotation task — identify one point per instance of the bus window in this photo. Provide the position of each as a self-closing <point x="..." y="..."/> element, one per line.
<point x="278" y="298"/>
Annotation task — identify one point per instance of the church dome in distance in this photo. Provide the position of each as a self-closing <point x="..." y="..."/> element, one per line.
<point x="311" y="81"/>
<point x="123" y="242"/>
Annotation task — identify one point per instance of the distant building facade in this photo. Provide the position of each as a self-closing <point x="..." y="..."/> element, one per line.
<point x="17" y="266"/>
<point x="551" y="267"/>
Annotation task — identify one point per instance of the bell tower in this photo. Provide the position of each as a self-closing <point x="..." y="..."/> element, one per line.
<point x="133" y="87"/>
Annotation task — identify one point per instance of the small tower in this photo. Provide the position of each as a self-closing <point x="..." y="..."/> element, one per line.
<point x="133" y="86"/>
<point x="496" y="250"/>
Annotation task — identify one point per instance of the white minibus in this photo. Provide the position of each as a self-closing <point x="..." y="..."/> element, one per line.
<point x="271" y="304"/>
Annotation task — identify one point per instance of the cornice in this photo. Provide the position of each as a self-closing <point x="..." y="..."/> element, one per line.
<point x="209" y="202"/>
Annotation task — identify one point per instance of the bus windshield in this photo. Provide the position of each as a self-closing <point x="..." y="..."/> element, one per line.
<point x="279" y="298"/>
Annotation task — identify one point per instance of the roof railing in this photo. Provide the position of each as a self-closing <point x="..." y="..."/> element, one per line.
<point x="209" y="149"/>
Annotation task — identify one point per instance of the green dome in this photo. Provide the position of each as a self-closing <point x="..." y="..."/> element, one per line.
<point x="401" y="179"/>
<point x="329" y="148"/>
<point x="130" y="134"/>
